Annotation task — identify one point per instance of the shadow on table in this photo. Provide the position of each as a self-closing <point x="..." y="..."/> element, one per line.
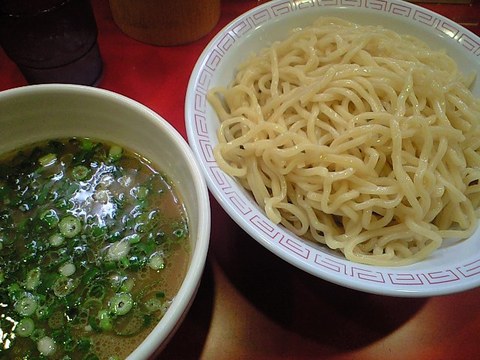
<point x="329" y="314"/>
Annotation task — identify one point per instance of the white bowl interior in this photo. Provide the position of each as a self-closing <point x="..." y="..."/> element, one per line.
<point x="271" y="22"/>
<point x="451" y="269"/>
<point x="41" y="112"/>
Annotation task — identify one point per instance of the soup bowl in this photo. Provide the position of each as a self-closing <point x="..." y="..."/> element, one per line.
<point x="450" y="269"/>
<point x="32" y="114"/>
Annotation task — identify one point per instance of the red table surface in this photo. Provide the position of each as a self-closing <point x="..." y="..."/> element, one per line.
<point x="252" y="305"/>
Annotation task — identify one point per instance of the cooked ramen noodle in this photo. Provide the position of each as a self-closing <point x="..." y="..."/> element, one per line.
<point x="355" y="137"/>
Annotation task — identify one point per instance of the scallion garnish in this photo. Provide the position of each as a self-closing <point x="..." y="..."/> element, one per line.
<point x="70" y="226"/>
<point x="25" y="327"/>
<point x="121" y="303"/>
<point x="85" y="229"/>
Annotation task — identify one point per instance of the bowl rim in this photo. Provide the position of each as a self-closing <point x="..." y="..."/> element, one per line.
<point x="390" y="281"/>
<point x="165" y="329"/>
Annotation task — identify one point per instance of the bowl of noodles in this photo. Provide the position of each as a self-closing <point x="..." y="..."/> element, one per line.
<point x="343" y="137"/>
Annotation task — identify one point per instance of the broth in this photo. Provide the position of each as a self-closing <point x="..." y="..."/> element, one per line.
<point x="93" y="248"/>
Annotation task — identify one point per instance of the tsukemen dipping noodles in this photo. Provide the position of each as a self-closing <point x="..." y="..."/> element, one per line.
<point x="93" y="248"/>
<point x="356" y="137"/>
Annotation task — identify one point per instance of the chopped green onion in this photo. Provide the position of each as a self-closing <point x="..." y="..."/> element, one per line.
<point x="69" y="345"/>
<point x="43" y="312"/>
<point x="70" y="226"/>
<point x="46" y="346"/>
<point x="179" y="233"/>
<point x="89" y="275"/>
<point x="63" y="204"/>
<point x="67" y="269"/>
<point x="50" y="217"/>
<point x="115" y="152"/>
<point x="37" y="334"/>
<point x="98" y="231"/>
<point x="118" y="250"/>
<point x="33" y="279"/>
<point x="124" y="263"/>
<point x="153" y="304"/>
<point x="116" y="279"/>
<point x="80" y="172"/>
<point x="96" y="291"/>
<point x="105" y="321"/>
<point x="84" y="345"/>
<point x="133" y="239"/>
<point x="13" y="290"/>
<point x="121" y="303"/>
<point x="47" y="160"/>
<point x="87" y="144"/>
<point x="157" y="261"/>
<point x="25" y="327"/>
<point x="26" y="305"/>
<point x="56" y="239"/>
<point x="127" y="285"/>
<point x="141" y="192"/>
<point x="92" y="304"/>
<point x="64" y="286"/>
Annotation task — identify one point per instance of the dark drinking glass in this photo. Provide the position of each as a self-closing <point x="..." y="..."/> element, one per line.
<point x="51" y="41"/>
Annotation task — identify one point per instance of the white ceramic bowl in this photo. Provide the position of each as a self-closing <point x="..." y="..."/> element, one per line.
<point x="447" y="270"/>
<point x="34" y="113"/>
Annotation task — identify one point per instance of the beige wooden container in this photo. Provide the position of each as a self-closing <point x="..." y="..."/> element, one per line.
<point x="165" y="22"/>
